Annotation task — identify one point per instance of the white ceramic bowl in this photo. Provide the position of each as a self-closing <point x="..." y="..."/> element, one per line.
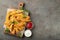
<point x="28" y="33"/>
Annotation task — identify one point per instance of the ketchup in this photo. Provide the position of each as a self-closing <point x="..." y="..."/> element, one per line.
<point x="29" y="25"/>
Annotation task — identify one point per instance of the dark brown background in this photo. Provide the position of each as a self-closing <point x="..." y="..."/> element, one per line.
<point x="45" y="15"/>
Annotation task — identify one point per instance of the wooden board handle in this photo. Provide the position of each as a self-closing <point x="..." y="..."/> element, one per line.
<point x="20" y="5"/>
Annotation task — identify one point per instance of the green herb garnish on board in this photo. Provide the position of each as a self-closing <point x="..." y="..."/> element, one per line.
<point x="21" y="8"/>
<point x="7" y="30"/>
<point x="20" y="34"/>
<point x="26" y="12"/>
<point x="14" y="22"/>
<point x="24" y="16"/>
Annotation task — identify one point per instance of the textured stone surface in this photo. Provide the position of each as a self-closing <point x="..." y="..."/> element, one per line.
<point x="45" y="15"/>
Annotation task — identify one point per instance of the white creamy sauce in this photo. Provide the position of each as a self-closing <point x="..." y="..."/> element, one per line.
<point x="28" y="33"/>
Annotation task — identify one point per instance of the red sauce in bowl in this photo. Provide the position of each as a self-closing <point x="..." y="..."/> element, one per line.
<point x="29" y="25"/>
